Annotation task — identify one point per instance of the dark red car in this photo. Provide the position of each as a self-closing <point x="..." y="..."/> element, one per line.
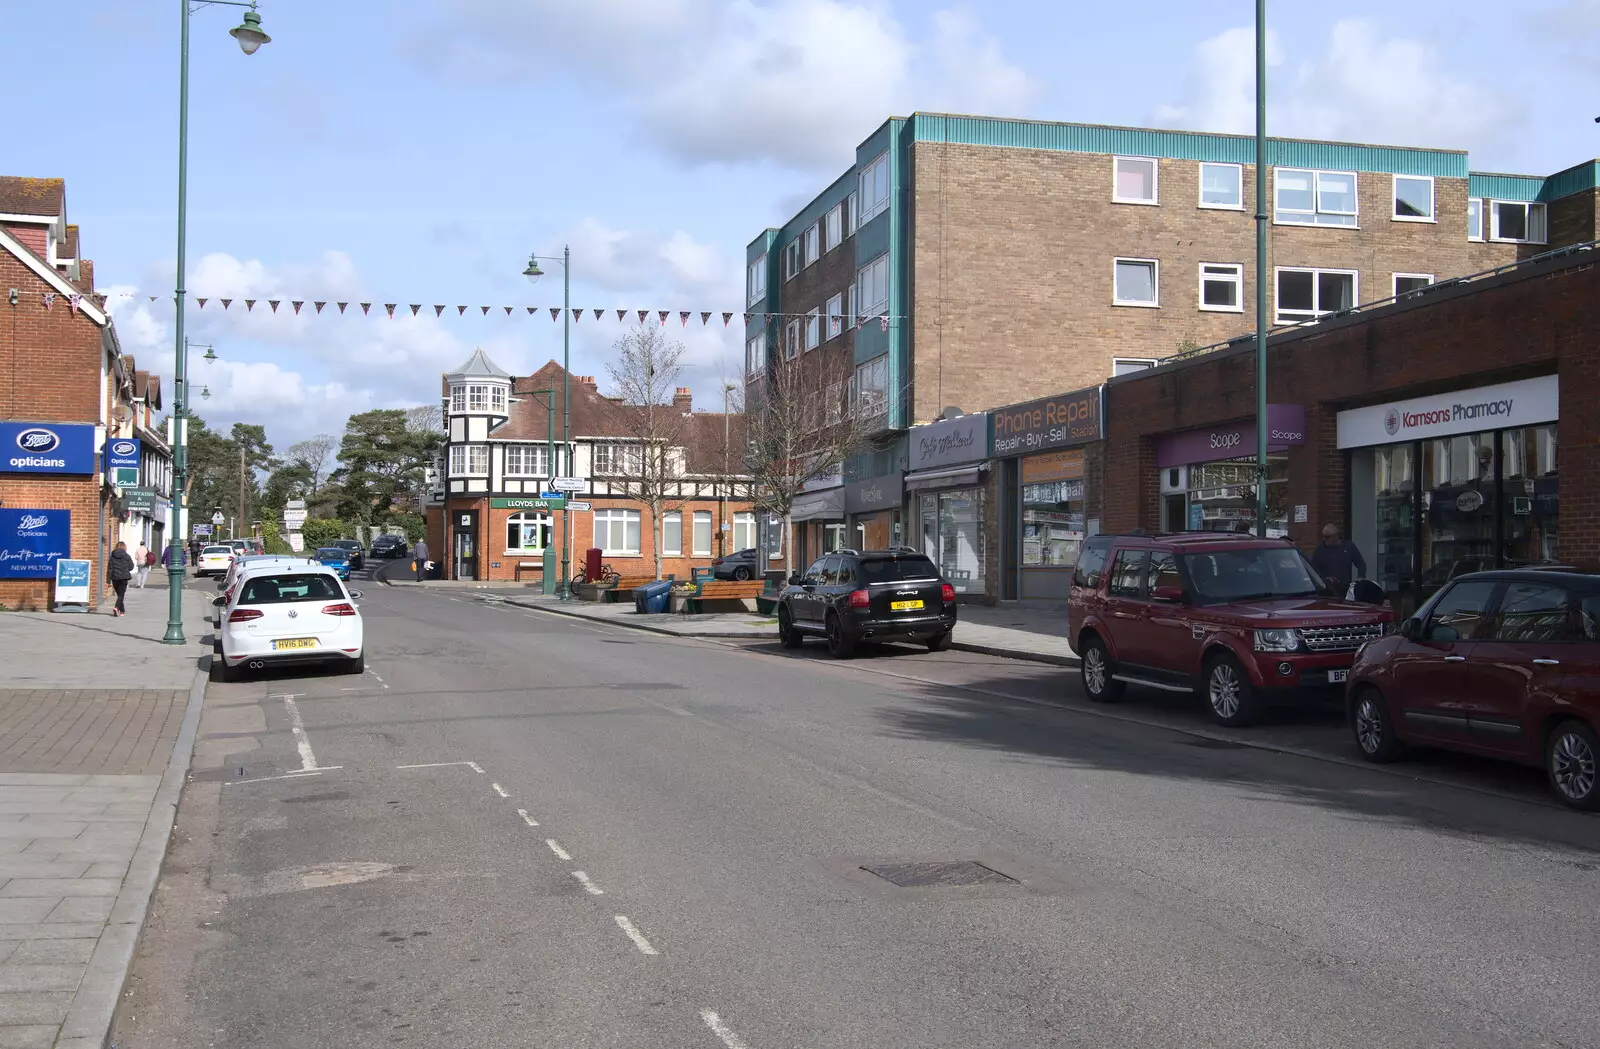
<point x="1505" y="664"/>
<point x="1242" y="619"/>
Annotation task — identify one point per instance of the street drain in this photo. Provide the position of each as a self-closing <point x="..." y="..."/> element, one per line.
<point x="1216" y="744"/>
<point x="937" y="875"/>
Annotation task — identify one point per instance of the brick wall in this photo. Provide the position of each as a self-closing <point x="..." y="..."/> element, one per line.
<point x="1012" y="278"/>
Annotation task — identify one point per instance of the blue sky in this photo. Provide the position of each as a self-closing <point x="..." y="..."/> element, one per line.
<point x="418" y="150"/>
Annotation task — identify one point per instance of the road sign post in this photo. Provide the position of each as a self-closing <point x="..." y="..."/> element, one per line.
<point x="567" y="484"/>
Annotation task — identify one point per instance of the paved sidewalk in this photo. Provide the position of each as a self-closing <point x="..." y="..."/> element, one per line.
<point x="97" y="721"/>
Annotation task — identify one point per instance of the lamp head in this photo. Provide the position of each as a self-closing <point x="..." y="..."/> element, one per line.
<point x="533" y="272"/>
<point x="249" y="33"/>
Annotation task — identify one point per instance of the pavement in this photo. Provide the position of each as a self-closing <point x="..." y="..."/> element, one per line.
<point x="523" y="828"/>
<point x="97" y="720"/>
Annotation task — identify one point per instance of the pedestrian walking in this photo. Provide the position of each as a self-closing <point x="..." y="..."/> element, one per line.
<point x="420" y="552"/>
<point x="1338" y="561"/>
<point x="142" y="560"/>
<point x="119" y="569"/>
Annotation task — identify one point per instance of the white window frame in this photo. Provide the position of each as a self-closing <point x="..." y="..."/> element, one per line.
<point x="458" y="398"/>
<point x="850" y="306"/>
<point x="791" y="340"/>
<point x="813" y="329"/>
<point x="1316" y="200"/>
<point x="1155" y="268"/>
<point x="833" y="228"/>
<point x="1478" y="201"/>
<point x="876" y="170"/>
<point x="497" y="399"/>
<point x="469" y="460"/>
<point x="1200" y="191"/>
<point x="701" y="517"/>
<point x="668" y="548"/>
<point x="538" y="520"/>
<point x="755" y="354"/>
<point x="523" y="454"/>
<point x="1138" y="364"/>
<point x="1395" y="281"/>
<point x="744" y="522"/>
<point x="478" y="397"/>
<point x="852" y="217"/>
<point x="1317" y="313"/>
<point x="1155" y="180"/>
<point x="1530" y="205"/>
<point x="835" y="315"/>
<point x="617" y="459"/>
<point x="1237" y="280"/>
<point x="812" y="239"/>
<point x="1433" y="200"/>
<point x="791" y="259"/>
<point x="608" y="517"/>
<point x="870" y="272"/>
<point x="755" y="282"/>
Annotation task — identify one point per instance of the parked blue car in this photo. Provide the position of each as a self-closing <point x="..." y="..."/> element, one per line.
<point x="336" y="558"/>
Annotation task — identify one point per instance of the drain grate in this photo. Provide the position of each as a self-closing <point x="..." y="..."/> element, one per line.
<point x="1216" y="744"/>
<point x="939" y="875"/>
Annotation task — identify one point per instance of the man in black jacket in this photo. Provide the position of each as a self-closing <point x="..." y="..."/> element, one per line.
<point x="1338" y="561"/>
<point x="119" y="569"/>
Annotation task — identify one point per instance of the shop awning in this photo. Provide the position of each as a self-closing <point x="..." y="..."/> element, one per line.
<point x="819" y="506"/>
<point x="952" y="477"/>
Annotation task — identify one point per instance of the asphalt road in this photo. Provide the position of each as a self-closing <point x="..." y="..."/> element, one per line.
<point x="519" y="829"/>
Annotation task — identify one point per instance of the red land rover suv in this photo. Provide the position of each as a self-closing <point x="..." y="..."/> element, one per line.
<point x="1241" y="619"/>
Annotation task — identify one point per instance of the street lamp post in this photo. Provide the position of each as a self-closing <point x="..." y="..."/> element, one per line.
<point x="1261" y="267"/>
<point x="250" y="37"/>
<point x="533" y="273"/>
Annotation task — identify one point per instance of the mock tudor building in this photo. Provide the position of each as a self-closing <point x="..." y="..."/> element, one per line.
<point x="493" y="513"/>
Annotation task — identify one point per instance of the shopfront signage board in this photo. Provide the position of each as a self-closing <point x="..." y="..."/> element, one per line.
<point x="950" y="442"/>
<point x="1286" y="427"/>
<point x="1053" y="466"/>
<point x="72" y="584"/>
<point x="1526" y="402"/>
<point x="526" y="503"/>
<point x="880" y="493"/>
<point x="47" y="448"/>
<point x="1050" y="422"/>
<point x="32" y="541"/>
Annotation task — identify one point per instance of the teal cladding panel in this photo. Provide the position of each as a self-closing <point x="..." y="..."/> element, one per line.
<point x="820" y="206"/>
<point x="871" y="340"/>
<point x="1185" y="145"/>
<point x="1577" y="179"/>
<point x="1505" y="187"/>
<point x="876" y="143"/>
<point x="899" y="273"/>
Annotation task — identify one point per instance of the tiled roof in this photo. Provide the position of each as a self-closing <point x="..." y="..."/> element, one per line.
<point x="32" y="196"/>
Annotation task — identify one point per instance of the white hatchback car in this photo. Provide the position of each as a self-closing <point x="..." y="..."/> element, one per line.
<point x="299" y="614"/>
<point x="213" y="560"/>
<point x="257" y="563"/>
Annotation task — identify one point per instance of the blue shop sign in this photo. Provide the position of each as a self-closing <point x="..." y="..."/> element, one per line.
<point x="31" y="541"/>
<point x="122" y="461"/>
<point x="47" y="448"/>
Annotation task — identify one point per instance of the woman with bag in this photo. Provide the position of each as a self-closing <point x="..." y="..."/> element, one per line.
<point x="119" y="569"/>
<point x="141" y="564"/>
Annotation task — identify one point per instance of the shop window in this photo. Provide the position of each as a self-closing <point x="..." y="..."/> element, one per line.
<point x="527" y="532"/>
<point x="1052" y="523"/>
<point x="1459" y="501"/>
<point x="952" y="536"/>
<point x="1222" y="495"/>
<point x="832" y="536"/>
<point x="672" y="534"/>
<point x="616" y="532"/>
<point x="702" y="533"/>
<point x="1134" y="180"/>
<point x="1530" y="510"/>
<point x="1127" y="573"/>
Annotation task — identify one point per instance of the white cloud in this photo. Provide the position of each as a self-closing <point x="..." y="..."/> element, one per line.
<point x="1362" y="87"/>
<point x="798" y="82"/>
<point x="634" y="263"/>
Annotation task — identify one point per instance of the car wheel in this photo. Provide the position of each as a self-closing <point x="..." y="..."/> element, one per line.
<point x="1095" y="666"/>
<point x="1373" y="728"/>
<point x="839" y="646"/>
<point x="788" y="636"/>
<point x="741" y="573"/>
<point x="941" y="642"/>
<point x="357" y="665"/>
<point x="1571" y="757"/>
<point x="1229" y="693"/>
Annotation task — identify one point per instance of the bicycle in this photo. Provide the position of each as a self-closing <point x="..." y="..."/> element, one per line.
<point x="607" y="575"/>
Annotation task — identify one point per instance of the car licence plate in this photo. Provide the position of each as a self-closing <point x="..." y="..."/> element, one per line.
<point x="904" y="606"/>
<point x="1337" y="676"/>
<point x="294" y="642"/>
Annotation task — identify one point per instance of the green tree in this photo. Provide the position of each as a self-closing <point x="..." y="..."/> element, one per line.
<point x="320" y="531"/>
<point x="381" y="464"/>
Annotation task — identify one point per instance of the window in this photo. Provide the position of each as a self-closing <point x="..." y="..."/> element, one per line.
<point x="527" y="460"/>
<point x="872" y="287"/>
<point x="1305" y="295"/>
<point x="1459" y="611"/>
<point x="1091" y="564"/>
<point x="852" y="213"/>
<point x="702" y="533"/>
<point x="791" y="259"/>
<point x="872" y="387"/>
<point x="458" y="398"/>
<point x="1128" y="365"/>
<point x="756" y="281"/>
<point x="1222" y="287"/>
<point x="1222" y="186"/>
<point x="835" y="316"/>
<point x="1135" y="282"/>
<point x="672" y="534"/>
<point x="813" y="250"/>
<point x="1408" y="283"/>
<point x="874" y="187"/>
<point x="478" y="398"/>
<point x="617" y="531"/>
<point x="1314" y="198"/>
<point x="1533" y="613"/>
<point x="1474" y="218"/>
<point x="744" y="530"/>
<point x="1134" y="180"/>
<point x="618" y="459"/>
<point x="833" y="228"/>
<point x="468" y="459"/>
<point x="497" y="399"/>
<point x="813" y="329"/>
<point x="755" y="354"/>
<point x="527" y="532"/>
<point x="834" y="409"/>
<point x="1516" y="222"/>
<point x="273" y="590"/>
<point x="1162" y="571"/>
<point x="1127" y="573"/>
<point x="1413" y="198"/>
<point x="791" y="340"/>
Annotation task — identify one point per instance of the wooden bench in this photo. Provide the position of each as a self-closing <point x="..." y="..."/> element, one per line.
<point x="714" y="591"/>
<point x="623" y="589"/>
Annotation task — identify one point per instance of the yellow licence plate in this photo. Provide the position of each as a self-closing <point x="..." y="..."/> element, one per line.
<point x="294" y="642"/>
<point x="902" y="606"/>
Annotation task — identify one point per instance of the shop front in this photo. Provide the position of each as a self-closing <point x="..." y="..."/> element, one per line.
<point x="872" y="509"/>
<point x="1209" y="475"/>
<point x="818" y="517"/>
<point x="949" y="497"/>
<point x="1039" y="452"/>
<point x="1453" y="483"/>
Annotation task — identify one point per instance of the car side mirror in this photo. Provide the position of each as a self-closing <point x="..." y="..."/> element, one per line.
<point x="219" y="602"/>
<point x="1410" y="629"/>
<point x="797" y="580"/>
<point x="1175" y="594"/>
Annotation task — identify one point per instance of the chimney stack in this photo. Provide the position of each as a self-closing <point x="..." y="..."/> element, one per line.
<point x="587" y="380"/>
<point x="682" y="400"/>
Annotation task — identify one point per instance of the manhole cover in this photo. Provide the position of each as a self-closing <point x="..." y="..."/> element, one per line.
<point x="1215" y="744"/>
<point x="943" y="875"/>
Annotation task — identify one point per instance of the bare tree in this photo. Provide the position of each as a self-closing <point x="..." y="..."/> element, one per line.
<point x="649" y="465"/>
<point x="425" y="418"/>
<point x="312" y="454"/>
<point x="803" y="419"/>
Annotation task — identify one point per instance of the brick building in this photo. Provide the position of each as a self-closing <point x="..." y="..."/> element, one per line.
<point x="1456" y="431"/>
<point x="490" y="516"/>
<point x="1000" y="260"/>
<point x="72" y="406"/>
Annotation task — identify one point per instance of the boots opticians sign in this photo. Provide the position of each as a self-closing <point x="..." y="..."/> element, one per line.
<point x="1526" y="402"/>
<point x="47" y="448"/>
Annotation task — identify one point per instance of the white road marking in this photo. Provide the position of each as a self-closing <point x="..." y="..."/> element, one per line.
<point x="498" y="789"/>
<point x="529" y="820"/>
<point x="302" y="743"/>
<point x="590" y="887"/>
<point x="380" y="680"/>
<point x="475" y="767"/>
<point x="720" y="1029"/>
<point x="287" y="775"/>
<point x="555" y="847"/>
<point x="635" y="935"/>
<point x="440" y="765"/>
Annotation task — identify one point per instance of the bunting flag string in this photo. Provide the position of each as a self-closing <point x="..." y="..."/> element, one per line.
<point x="319" y="305"/>
<point x="49" y="300"/>
<point x="297" y="303"/>
<point x="202" y="302"/>
<point x="274" y="304"/>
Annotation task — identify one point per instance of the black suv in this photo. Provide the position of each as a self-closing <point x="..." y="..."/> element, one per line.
<point x="850" y="596"/>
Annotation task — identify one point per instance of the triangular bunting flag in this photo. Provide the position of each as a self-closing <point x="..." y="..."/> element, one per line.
<point x="365" y="306"/>
<point x="727" y="318"/>
<point x="705" y="317"/>
<point x="747" y="318"/>
<point x="461" y="311"/>
<point x="152" y="298"/>
<point x="390" y="307"/>
<point x="620" y="315"/>
<point x="319" y="305"/>
<point x="598" y="314"/>
<point x="274" y="304"/>
<point x="73" y="302"/>
<point x="249" y="304"/>
<point x="663" y="317"/>
<point x="297" y="303"/>
<point x="341" y="306"/>
<point x="438" y="311"/>
<point x="885" y="320"/>
<point x="201" y="302"/>
<point x="642" y="315"/>
<point x="555" y="312"/>
<point x="225" y="303"/>
<point x="508" y="311"/>
<point x="532" y="310"/>
<point x="577" y="315"/>
<point x="485" y="310"/>
<point x="49" y="300"/>
<point x="415" y="306"/>
<point x="684" y="315"/>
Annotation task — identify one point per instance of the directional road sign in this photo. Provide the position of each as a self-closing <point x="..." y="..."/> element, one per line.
<point x="568" y="484"/>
